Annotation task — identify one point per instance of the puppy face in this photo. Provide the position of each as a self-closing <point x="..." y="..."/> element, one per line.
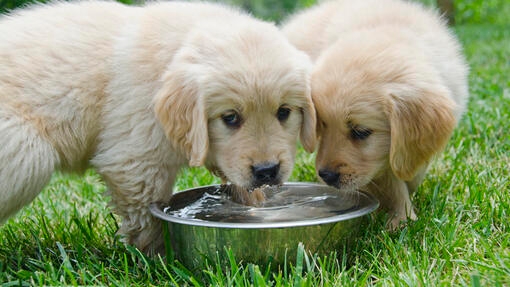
<point x="238" y="105"/>
<point x="253" y="137"/>
<point x="380" y="109"/>
<point x="354" y="132"/>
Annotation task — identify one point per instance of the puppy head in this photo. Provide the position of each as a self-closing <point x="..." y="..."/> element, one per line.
<point x="380" y="108"/>
<point x="236" y="99"/>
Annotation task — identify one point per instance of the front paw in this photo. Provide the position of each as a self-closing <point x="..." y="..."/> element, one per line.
<point x="399" y="220"/>
<point x="148" y="239"/>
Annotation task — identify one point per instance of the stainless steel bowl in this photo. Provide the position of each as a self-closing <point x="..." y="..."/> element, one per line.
<point x="264" y="234"/>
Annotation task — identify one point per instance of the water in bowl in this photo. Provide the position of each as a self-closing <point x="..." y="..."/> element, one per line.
<point x="283" y="204"/>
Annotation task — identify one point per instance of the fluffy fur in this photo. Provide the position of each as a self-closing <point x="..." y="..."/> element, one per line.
<point x="139" y="92"/>
<point x="389" y="85"/>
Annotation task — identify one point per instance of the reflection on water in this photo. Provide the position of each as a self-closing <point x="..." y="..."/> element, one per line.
<point x="282" y="204"/>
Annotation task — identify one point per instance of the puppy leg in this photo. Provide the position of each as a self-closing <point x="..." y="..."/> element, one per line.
<point x="141" y="229"/>
<point x="133" y="186"/>
<point x="401" y="208"/>
<point x="28" y="161"/>
<point x="394" y="197"/>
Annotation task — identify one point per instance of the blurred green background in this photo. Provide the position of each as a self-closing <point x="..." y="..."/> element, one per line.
<point x="463" y="12"/>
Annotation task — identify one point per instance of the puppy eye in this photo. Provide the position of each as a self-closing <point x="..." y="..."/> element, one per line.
<point x="358" y="133"/>
<point x="231" y="119"/>
<point x="283" y="113"/>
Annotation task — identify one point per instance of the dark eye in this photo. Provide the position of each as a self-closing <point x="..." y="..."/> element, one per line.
<point x="360" y="133"/>
<point x="231" y="119"/>
<point x="283" y="113"/>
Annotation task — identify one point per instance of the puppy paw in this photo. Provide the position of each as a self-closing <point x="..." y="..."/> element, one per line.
<point x="398" y="221"/>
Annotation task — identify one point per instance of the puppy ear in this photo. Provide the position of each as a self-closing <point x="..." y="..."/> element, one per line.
<point x="421" y="122"/>
<point x="180" y="110"/>
<point x="308" y="134"/>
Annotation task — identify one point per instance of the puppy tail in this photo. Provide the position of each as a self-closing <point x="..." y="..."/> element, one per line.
<point x="28" y="161"/>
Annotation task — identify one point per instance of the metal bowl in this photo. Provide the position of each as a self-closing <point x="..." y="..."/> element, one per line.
<point x="320" y="217"/>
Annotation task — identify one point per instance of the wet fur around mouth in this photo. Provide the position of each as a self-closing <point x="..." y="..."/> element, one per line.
<point x="251" y="197"/>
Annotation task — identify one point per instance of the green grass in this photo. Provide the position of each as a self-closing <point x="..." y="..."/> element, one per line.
<point x="67" y="235"/>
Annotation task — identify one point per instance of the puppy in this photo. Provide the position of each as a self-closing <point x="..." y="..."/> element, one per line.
<point x="139" y="92"/>
<point x="389" y="85"/>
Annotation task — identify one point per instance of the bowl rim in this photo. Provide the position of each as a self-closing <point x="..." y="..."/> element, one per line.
<point x="157" y="211"/>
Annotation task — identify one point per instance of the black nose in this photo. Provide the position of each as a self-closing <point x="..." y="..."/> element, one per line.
<point x="330" y="177"/>
<point x="265" y="173"/>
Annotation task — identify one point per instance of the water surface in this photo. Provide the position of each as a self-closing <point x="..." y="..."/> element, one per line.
<point x="283" y="204"/>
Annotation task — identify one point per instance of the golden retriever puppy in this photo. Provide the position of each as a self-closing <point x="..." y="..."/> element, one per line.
<point x="389" y="86"/>
<point x="138" y="93"/>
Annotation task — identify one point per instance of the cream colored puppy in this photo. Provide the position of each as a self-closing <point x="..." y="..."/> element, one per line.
<point x="139" y="92"/>
<point x="389" y="85"/>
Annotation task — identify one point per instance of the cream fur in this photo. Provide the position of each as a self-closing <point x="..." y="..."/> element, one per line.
<point x="139" y="92"/>
<point x="393" y="68"/>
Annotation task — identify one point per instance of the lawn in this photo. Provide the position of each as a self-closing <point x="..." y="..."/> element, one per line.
<point x="67" y="235"/>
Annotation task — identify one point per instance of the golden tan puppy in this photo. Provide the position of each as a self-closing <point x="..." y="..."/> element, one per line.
<point x="389" y="86"/>
<point x="138" y="93"/>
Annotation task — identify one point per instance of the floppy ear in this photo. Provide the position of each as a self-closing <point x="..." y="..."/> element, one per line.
<point x="180" y="109"/>
<point x="308" y="134"/>
<point x="421" y="122"/>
